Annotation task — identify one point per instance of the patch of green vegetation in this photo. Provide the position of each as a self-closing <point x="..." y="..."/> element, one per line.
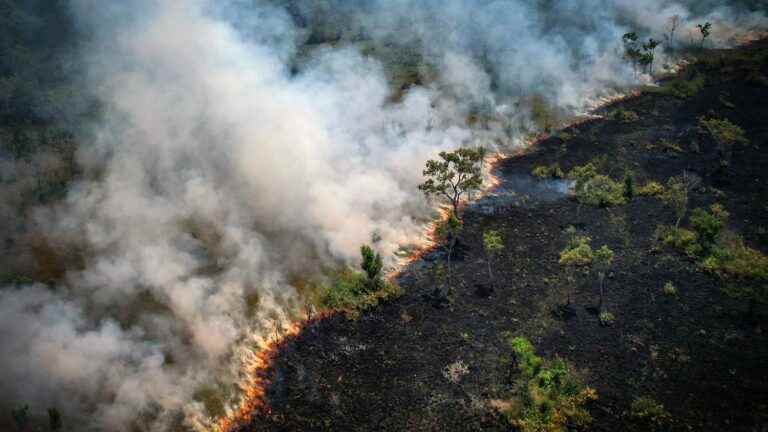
<point x="606" y="318"/>
<point x="548" y="395"/>
<point x="723" y="131"/>
<point x="596" y="189"/>
<point x="625" y="116"/>
<point x="551" y="171"/>
<point x="685" y="89"/>
<point x="680" y="239"/>
<point x="670" y="289"/>
<point x="648" y="413"/>
<point x="651" y="188"/>
<point x="348" y="290"/>
<point x="732" y="259"/>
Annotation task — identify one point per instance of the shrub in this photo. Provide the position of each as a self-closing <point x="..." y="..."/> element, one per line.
<point x="648" y="412"/>
<point x="625" y="116"/>
<point x="679" y="238"/>
<point x="549" y="396"/>
<point x="684" y="89"/>
<point x="577" y="253"/>
<point x="670" y="289"/>
<point x="601" y="191"/>
<point x="629" y="186"/>
<point x="731" y="258"/>
<point x="651" y="189"/>
<point x="723" y="131"/>
<point x="670" y="146"/>
<point x="552" y="171"/>
<point x="606" y="318"/>
<point x="709" y="225"/>
<point x="371" y="264"/>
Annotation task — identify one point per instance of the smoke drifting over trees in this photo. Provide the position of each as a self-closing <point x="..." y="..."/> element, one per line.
<point x="237" y="144"/>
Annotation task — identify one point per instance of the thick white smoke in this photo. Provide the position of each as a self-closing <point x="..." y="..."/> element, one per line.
<point x="219" y="171"/>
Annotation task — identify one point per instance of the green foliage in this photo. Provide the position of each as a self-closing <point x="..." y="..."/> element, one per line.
<point x="625" y="116"/>
<point x="344" y="289"/>
<point x="552" y="171"/>
<point x="629" y="186"/>
<point x="705" y="30"/>
<point x="371" y="265"/>
<point x="723" y="131"/>
<point x="652" y="188"/>
<point x="577" y="253"/>
<point x="676" y="195"/>
<point x="601" y="191"/>
<point x="456" y="173"/>
<point x="670" y="289"/>
<point x="549" y="396"/>
<point x="648" y="412"/>
<point x="603" y="258"/>
<point x="606" y="318"/>
<point x="493" y="242"/>
<point x="679" y="238"/>
<point x="685" y="89"/>
<point x="731" y="258"/>
<point x="709" y="225"/>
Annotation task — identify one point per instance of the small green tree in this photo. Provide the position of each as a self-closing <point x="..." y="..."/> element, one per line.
<point x="629" y="186"/>
<point x="705" y="30"/>
<point x="676" y="194"/>
<point x="54" y="419"/>
<point x="456" y="173"/>
<point x="493" y="244"/>
<point x="603" y="259"/>
<point x="371" y="265"/>
<point x="709" y="225"/>
<point x="576" y="256"/>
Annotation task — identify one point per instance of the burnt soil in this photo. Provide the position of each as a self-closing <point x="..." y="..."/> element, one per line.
<point x="697" y="352"/>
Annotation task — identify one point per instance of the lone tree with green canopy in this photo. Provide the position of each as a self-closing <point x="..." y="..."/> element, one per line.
<point x="493" y="244"/>
<point x="455" y="174"/>
<point x="577" y="255"/>
<point x="371" y="265"/>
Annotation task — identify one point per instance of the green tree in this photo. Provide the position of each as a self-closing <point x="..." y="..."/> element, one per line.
<point x="371" y="265"/>
<point x="493" y="244"/>
<point x="603" y="259"/>
<point x="631" y="50"/>
<point x="456" y="173"/>
<point x="709" y="225"/>
<point x="629" y="186"/>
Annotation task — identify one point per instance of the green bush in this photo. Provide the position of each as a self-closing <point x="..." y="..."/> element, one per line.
<point x="625" y="116"/>
<point x="670" y="289"/>
<point x="709" y="225"/>
<point x="651" y="189"/>
<point x="684" y="89"/>
<point x="549" y="396"/>
<point x="731" y="258"/>
<point x="544" y="172"/>
<point x="723" y="131"/>
<point x="577" y="253"/>
<point x="679" y="238"/>
<point x="601" y="191"/>
<point x="606" y="318"/>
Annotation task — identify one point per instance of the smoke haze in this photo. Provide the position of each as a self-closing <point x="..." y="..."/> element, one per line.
<point x="235" y="151"/>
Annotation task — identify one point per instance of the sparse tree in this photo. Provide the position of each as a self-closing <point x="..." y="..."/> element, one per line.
<point x="493" y="244"/>
<point x="674" y="23"/>
<point x="456" y="173"/>
<point x="54" y="419"/>
<point x="448" y="233"/>
<point x="629" y="186"/>
<point x="603" y="259"/>
<point x="676" y="194"/>
<point x="705" y="30"/>
<point x="650" y="54"/>
<point x="371" y="265"/>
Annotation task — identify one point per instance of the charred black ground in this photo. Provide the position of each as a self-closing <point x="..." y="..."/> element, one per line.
<point x="696" y="353"/>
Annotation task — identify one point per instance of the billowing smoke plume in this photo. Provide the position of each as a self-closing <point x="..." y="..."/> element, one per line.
<point x="234" y="152"/>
